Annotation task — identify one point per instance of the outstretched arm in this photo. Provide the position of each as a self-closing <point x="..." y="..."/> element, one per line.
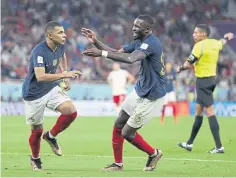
<point x="227" y="37"/>
<point x="118" y="57"/>
<point x="92" y="38"/>
<point x="185" y="66"/>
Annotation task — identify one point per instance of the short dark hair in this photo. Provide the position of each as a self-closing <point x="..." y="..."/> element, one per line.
<point x="51" y="26"/>
<point x="204" y="28"/>
<point x="147" y="18"/>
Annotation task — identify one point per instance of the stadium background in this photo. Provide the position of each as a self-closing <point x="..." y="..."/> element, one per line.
<point x="23" y="27"/>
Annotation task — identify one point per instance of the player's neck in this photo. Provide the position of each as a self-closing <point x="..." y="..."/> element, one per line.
<point x="146" y="36"/>
<point x="51" y="45"/>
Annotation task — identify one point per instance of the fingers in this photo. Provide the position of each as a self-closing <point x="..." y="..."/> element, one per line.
<point x="78" y="72"/>
<point x="86" y="31"/>
<point x="88" y="53"/>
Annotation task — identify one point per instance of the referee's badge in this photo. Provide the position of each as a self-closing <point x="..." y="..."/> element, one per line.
<point x="54" y="63"/>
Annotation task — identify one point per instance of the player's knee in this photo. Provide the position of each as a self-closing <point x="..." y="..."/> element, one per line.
<point x="37" y="127"/>
<point x="209" y="111"/>
<point x="74" y="115"/>
<point x="121" y="119"/>
<point x="37" y="130"/>
<point x="126" y="135"/>
<point x="67" y="108"/>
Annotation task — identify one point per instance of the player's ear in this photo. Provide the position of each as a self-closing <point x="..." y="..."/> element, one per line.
<point x="49" y="35"/>
<point x="148" y="28"/>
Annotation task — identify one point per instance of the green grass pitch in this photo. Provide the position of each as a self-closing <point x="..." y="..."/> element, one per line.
<point x="86" y="146"/>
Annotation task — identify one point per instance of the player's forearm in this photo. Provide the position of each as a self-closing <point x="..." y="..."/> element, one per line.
<point x="185" y="66"/>
<point x="102" y="46"/>
<point x="120" y="57"/>
<point x="50" y="77"/>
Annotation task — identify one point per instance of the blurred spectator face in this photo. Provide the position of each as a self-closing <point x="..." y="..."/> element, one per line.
<point x="198" y="35"/>
<point x="116" y="66"/>
<point x="58" y="35"/>
<point x="140" y="29"/>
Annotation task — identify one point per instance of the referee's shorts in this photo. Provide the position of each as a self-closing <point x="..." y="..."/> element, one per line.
<point x="205" y="87"/>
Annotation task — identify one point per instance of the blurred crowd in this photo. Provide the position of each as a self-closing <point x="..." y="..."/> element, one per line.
<point x="23" y="24"/>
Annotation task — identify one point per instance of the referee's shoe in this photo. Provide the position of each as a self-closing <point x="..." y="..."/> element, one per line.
<point x="217" y="150"/>
<point x="186" y="146"/>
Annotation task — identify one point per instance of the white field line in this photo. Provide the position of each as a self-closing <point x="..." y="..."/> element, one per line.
<point x="129" y="157"/>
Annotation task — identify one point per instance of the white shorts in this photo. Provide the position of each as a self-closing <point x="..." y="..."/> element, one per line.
<point x="34" y="110"/>
<point x="170" y="97"/>
<point x="140" y="110"/>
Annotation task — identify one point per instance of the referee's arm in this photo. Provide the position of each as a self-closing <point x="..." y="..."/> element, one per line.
<point x="188" y="63"/>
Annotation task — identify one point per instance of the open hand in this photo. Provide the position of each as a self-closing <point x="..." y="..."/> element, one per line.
<point x="89" y="34"/>
<point x="72" y="74"/>
<point x="93" y="52"/>
<point x="229" y="36"/>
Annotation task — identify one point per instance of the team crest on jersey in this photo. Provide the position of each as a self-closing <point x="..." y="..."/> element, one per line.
<point x="54" y="63"/>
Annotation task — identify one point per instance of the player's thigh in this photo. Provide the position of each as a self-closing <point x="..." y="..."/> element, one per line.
<point x="66" y="107"/>
<point x="60" y="101"/>
<point x="130" y="102"/>
<point x="205" y="88"/>
<point x="145" y="111"/>
<point x="34" y="111"/>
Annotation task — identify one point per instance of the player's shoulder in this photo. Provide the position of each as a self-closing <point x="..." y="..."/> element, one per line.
<point x="40" y="47"/>
<point x="152" y="39"/>
<point x="211" y="40"/>
<point x="198" y="44"/>
<point x="153" y="42"/>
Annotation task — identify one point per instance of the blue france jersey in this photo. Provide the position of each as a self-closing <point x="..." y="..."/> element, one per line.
<point x="151" y="75"/>
<point x="169" y="80"/>
<point x="41" y="56"/>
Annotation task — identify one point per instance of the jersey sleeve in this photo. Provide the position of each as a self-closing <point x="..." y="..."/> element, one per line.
<point x="148" y="47"/>
<point x="219" y="45"/>
<point x="38" y="58"/>
<point x="196" y="53"/>
<point x="129" y="48"/>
